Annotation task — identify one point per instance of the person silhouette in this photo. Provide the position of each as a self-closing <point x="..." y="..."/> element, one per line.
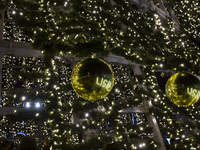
<point x="28" y="143"/>
<point x="7" y="145"/>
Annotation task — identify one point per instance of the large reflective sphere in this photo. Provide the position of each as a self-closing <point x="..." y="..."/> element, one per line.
<point x="183" y="89"/>
<point x="92" y="79"/>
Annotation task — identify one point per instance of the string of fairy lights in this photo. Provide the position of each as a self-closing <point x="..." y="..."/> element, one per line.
<point x="116" y="36"/>
<point x="185" y="118"/>
<point x="191" y="17"/>
<point x="105" y="126"/>
<point x="11" y="31"/>
<point x="178" y="124"/>
<point x="123" y="76"/>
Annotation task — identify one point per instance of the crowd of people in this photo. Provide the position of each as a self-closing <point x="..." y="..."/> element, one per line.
<point x="27" y="143"/>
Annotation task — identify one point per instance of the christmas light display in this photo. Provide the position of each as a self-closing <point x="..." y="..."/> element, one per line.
<point x="86" y="28"/>
<point x="183" y="89"/>
<point x="92" y="79"/>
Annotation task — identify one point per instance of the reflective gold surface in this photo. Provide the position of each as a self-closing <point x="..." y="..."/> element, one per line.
<point x="92" y="79"/>
<point x="183" y="89"/>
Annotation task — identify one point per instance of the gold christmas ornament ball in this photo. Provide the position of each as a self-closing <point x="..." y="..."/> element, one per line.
<point x="183" y="89"/>
<point x="92" y="79"/>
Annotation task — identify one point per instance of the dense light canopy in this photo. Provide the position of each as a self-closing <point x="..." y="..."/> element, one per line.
<point x="93" y="28"/>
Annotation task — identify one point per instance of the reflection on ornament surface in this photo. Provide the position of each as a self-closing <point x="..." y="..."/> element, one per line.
<point x="92" y="79"/>
<point x="183" y="89"/>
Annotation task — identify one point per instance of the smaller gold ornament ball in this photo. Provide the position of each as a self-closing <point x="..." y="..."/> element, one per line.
<point x="183" y="89"/>
<point x="92" y="79"/>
